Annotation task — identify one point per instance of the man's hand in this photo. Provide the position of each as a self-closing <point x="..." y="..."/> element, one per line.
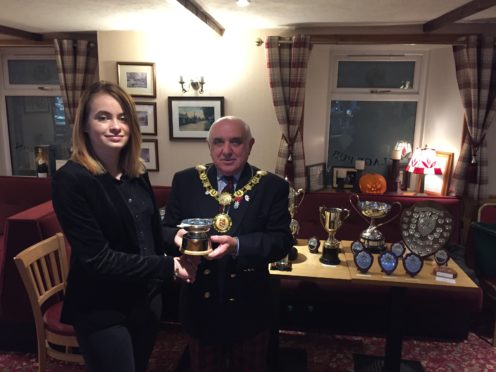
<point x="227" y="245"/>
<point x="178" y="239"/>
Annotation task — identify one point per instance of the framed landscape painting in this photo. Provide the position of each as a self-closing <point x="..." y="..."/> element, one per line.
<point x="191" y="117"/>
<point x="149" y="154"/>
<point x="137" y="78"/>
<point x="147" y="117"/>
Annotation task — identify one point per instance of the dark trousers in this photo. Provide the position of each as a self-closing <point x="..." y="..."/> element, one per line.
<point x="123" y="347"/>
<point x="244" y="356"/>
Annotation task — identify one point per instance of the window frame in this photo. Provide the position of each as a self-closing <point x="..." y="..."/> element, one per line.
<point x="6" y="89"/>
<point x="417" y="93"/>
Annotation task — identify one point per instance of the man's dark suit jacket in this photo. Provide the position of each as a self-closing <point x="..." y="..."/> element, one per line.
<point x="231" y="297"/>
<point x="108" y="278"/>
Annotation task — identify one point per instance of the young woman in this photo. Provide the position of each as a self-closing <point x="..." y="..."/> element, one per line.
<point x="105" y="205"/>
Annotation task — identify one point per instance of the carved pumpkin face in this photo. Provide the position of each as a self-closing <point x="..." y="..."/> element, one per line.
<point x="372" y="183"/>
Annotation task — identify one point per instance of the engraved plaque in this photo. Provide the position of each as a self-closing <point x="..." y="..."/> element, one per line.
<point x="426" y="227"/>
<point x="388" y="262"/>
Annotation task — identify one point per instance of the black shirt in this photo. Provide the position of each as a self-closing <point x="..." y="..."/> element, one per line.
<point x="141" y="207"/>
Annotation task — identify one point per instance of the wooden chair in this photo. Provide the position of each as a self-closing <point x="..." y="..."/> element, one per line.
<point x="43" y="268"/>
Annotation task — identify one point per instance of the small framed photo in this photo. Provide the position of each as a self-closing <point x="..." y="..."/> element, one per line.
<point x="191" y="117"/>
<point x="315" y="177"/>
<point x="348" y="174"/>
<point x="438" y="185"/>
<point x="147" y="117"/>
<point x="137" y="78"/>
<point x="149" y="154"/>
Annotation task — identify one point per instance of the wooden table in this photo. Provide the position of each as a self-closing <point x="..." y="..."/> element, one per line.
<point x="399" y="282"/>
<point x="307" y="265"/>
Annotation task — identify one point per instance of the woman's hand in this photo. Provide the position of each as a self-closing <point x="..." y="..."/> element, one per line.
<point x="185" y="267"/>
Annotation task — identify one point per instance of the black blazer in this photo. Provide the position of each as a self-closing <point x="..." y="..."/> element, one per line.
<point x="107" y="276"/>
<point x="231" y="297"/>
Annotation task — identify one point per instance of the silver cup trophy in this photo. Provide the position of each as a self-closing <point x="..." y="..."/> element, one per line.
<point x="196" y="241"/>
<point x="372" y="239"/>
<point x="332" y="219"/>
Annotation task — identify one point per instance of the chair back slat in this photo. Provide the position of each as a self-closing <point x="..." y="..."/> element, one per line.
<point x="43" y="269"/>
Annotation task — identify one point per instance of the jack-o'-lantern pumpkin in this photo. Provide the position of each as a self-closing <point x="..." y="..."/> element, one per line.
<point x="372" y="183"/>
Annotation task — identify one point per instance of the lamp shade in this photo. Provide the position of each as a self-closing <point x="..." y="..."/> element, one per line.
<point x="424" y="161"/>
<point x="404" y="147"/>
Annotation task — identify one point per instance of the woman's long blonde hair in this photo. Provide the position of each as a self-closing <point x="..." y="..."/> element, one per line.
<point x="82" y="149"/>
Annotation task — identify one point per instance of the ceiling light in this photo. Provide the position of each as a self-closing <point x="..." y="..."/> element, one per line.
<point x="243" y="2"/>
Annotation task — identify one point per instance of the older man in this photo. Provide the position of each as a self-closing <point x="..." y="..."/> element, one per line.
<point x="227" y="311"/>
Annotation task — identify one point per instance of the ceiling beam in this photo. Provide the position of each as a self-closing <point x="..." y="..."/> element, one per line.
<point x="373" y="39"/>
<point x="472" y="7"/>
<point x="199" y="12"/>
<point x="20" y="33"/>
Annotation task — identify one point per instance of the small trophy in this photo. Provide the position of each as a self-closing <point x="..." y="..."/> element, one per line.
<point x="371" y="238"/>
<point x="295" y="198"/>
<point x="331" y="219"/>
<point x="196" y="241"/>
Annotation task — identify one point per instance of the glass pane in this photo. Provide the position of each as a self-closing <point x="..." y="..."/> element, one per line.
<point x="368" y="130"/>
<point x="36" y="121"/>
<point x="376" y="74"/>
<point x="33" y="72"/>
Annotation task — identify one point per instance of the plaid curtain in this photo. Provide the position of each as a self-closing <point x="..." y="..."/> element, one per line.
<point x="287" y="64"/>
<point x="476" y="74"/>
<point x="76" y="65"/>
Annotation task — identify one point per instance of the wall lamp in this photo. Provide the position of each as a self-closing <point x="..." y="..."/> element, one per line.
<point x="196" y="85"/>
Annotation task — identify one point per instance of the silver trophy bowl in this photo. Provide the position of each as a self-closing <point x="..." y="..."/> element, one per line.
<point x="372" y="238"/>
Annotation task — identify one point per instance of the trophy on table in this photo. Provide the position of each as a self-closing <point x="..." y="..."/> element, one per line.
<point x="295" y="198"/>
<point x="371" y="238"/>
<point x="332" y="219"/>
<point x="196" y="241"/>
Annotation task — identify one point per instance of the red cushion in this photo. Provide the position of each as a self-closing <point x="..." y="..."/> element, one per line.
<point x="51" y="319"/>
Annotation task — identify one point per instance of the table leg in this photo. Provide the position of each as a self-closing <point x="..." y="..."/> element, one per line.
<point x="273" y="350"/>
<point x="391" y="362"/>
<point x="394" y="336"/>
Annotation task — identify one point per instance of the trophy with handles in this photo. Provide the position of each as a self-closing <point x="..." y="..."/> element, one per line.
<point x="332" y="219"/>
<point x="372" y="239"/>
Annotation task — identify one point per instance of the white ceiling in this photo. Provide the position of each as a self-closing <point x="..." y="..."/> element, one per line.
<point x="44" y="16"/>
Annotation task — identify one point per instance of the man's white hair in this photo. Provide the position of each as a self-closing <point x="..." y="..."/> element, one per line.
<point x="246" y="127"/>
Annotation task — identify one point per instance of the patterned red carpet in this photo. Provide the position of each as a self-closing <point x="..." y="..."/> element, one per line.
<point x="324" y="353"/>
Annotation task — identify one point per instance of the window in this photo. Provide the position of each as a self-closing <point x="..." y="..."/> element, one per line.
<point x="34" y="109"/>
<point x="375" y="102"/>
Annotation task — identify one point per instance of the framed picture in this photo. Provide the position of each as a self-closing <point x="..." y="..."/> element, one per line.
<point x="348" y="174"/>
<point x="147" y="117"/>
<point x="315" y="177"/>
<point x="438" y="185"/>
<point x="137" y="78"/>
<point x="149" y="154"/>
<point x="191" y="117"/>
